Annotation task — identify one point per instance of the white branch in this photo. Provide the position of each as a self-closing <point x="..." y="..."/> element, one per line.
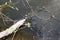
<point x="12" y="28"/>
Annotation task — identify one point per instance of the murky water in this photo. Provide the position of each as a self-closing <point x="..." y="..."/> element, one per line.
<point x="45" y="24"/>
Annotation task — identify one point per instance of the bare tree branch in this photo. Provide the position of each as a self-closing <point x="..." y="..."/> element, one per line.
<point x="12" y="28"/>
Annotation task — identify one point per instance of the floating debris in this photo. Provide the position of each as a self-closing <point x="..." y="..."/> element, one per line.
<point x="10" y="1"/>
<point x="28" y="24"/>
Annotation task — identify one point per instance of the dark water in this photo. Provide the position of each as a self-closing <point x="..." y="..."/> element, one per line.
<point x="45" y="24"/>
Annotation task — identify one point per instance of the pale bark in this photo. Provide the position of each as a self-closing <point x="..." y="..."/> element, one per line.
<point x="11" y="29"/>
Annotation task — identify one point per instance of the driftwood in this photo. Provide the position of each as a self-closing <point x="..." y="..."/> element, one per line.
<point x="11" y="29"/>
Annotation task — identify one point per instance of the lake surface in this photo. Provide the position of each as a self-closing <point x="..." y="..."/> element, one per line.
<point x="45" y="22"/>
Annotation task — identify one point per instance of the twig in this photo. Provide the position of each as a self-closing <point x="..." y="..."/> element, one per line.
<point x="6" y="16"/>
<point x="3" y="20"/>
<point x="14" y="35"/>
